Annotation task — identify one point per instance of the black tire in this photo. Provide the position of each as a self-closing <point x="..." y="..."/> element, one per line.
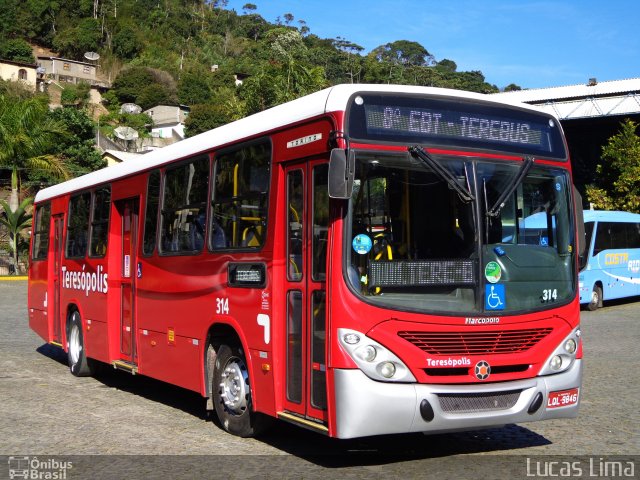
<point x="596" y="298"/>
<point x="79" y="364"/>
<point x="231" y="392"/>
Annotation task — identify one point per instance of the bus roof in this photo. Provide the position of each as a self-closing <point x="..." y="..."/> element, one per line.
<point x="610" y="216"/>
<point x="329" y="100"/>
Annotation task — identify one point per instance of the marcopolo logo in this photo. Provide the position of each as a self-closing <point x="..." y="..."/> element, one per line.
<point x="37" y="469"/>
<point x="481" y="320"/>
<point x="85" y="281"/>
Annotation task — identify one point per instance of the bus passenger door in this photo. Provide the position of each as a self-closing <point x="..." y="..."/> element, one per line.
<point x="58" y="247"/>
<point x="128" y="211"/>
<point x="307" y="209"/>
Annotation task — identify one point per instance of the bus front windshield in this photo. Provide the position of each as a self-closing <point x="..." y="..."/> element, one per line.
<point x="420" y="239"/>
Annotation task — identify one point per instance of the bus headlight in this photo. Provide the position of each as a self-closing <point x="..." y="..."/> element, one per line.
<point x="564" y="355"/>
<point x="556" y="362"/>
<point x="387" y="369"/>
<point x="351" y="338"/>
<point x="367" y="353"/>
<point x="570" y="346"/>
<point x="376" y="361"/>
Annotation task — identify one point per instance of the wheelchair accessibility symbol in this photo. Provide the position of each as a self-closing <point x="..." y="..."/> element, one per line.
<point x="494" y="297"/>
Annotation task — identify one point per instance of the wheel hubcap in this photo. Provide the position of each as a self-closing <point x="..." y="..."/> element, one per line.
<point x="594" y="297"/>
<point x="234" y="383"/>
<point x="74" y="344"/>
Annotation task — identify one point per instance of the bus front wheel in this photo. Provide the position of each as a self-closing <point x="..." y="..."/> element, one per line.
<point x="231" y="392"/>
<point x="596" y="298"/>
<point x="79" y="364"/>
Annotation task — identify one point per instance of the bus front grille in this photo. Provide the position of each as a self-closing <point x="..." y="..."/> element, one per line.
<point x="477" y="402"/>
<point x="476" y="343"/>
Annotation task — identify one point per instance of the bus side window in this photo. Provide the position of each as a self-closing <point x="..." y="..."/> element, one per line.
<point x="78" y="225"/>
<point x="633" y="235"/>
<point x="100" y="222"/>
<point x="320" y="220"/>
<point x="41" y="232"/>
<point x="588" y="233"/>
<point x="184" y="207"/>
<point x="603" y="237"/>
<point x="240" y="197"/>
<point x="151" y="213"/>
<point x="295" y="232"/>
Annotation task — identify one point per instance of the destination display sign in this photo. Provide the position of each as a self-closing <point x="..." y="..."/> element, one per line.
<point x="455" y="123"/>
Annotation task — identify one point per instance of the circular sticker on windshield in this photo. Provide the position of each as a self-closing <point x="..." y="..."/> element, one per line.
<point x="493" y="272"/>
<point x="362" y="244"/>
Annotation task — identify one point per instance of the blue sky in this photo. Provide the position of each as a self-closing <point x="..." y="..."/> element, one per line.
<point x="533" y="43"/>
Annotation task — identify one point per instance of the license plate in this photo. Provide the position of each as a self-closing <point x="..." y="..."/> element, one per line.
<point x="563" y="398"/>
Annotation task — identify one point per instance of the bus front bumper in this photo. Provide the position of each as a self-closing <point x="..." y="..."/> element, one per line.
<point x="366" y="407"/>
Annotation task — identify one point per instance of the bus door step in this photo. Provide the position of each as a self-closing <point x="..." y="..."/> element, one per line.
<point x="297" y="419"/>
<point x="130" y="367"/>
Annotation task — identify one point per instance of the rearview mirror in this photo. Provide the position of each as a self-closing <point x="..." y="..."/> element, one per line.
<point x="341" y="173"/>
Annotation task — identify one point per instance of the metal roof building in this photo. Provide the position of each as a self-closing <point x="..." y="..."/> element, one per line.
<point x="593" y="99"/>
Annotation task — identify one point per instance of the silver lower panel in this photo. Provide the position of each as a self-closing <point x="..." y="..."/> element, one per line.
<point x="365" y="407"/>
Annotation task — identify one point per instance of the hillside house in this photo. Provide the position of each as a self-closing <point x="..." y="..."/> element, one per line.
<point x="19" y="71"/>
<point x="69" y="71"/>
<point x="168" y="121"/>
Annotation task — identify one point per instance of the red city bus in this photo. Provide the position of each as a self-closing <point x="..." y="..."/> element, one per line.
<point x="354" y="262"/>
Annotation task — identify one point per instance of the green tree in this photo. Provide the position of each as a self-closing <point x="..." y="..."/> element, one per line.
<point x="8" y="15"/>
<point x="617" y="186"/>
<point x="15" y="90"/>
<point x="286" y="75"/>
<point x="447" y="65"/>
<point x="350" y="59"/>
<point x="27" y="138"/>
<point x="512" y="87"/>
<point x="130" y="82"/>
<point x="17" y="50"/>
<point x="153" y="95"/>
<point x="126" y="44"/>
<point x="15" y="222"/>
<point x="194" y="88"/>
<point x="77" y="148"/>
<point x="403" y="52"/>
<point x="204" y="117"/>
<point x="74" y="41"/>
<point x="75" y="94"/>
<point x="41" y="19"/>
<point x="146" y="87"/>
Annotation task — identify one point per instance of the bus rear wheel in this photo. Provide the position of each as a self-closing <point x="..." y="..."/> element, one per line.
<point x="231" y="392"/>
<point x="79" y="364"/>
<point x="596" y="298"/>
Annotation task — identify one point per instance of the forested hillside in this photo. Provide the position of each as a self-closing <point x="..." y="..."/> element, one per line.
<point x="188" y="51"/>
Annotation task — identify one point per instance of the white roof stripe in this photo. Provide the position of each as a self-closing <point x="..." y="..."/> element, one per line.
<point x="328" y="100"/>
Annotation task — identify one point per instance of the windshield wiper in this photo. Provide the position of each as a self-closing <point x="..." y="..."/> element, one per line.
<point x="446" y="175"/>
<point x="517" y="180"/>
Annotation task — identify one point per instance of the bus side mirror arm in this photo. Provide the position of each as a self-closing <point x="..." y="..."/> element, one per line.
<point x="341" y="173"/>
<point x="580" y="232"/>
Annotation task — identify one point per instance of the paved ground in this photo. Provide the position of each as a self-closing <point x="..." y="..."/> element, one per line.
<point x="46" y="412"/>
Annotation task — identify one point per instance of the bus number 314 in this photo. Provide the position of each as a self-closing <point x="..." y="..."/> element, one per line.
<point x="549" y="295"/>
<point x="222" y="306"/>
